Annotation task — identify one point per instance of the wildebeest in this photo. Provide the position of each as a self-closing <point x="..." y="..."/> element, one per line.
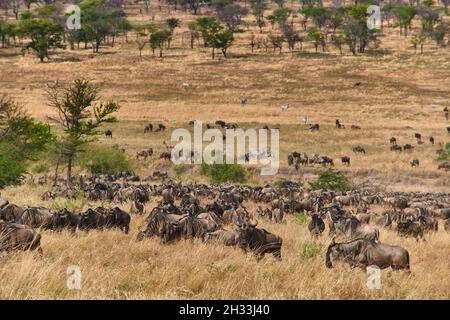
<point x="14" y="236"/>
<point x="148" y="128"/>
<point x="444" y="165"/>
<point x="221" y="123"/>
<point x="137" y="207"/>
<point x="393" y="140"/>
<point x="64" y="219"/>
<point x="448" y="129"/>
<point x="345" y="160"/>
<point x="410" y="228"/>
<point x="314" y="127"/>
<point x="259" y="241"/>
<point x="408" y="147"/>
<point x="359" y="149"/>
<point x="396" y="147"/>
<point x="338" y="124"/>
<point x="108" y="133"/>
<point x="37" y="217"/>
<point x="144" y="153"/>
<point x="363" y="253"/>
<point x="432" y="140"/>
<point x="316" y="226"/>
<point x="418" y="136"/>
<point x="414" y="163"/>
<point x="105" y="218"/>
<point x="353" y="126"/>
<point x="221" y="236"/>
<point x="10" y="212"/>
<point x="243" y="102"/>
<point x="165" y="155"/>
<point x="160" y="128"/>
<point x="351" y="227"/>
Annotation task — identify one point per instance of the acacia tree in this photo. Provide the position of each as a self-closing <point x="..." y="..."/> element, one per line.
<point x="80" y="117"/>
<point x="258" y="8"/>
<point x="172" y="23"/>
<point x="219" y="37"/>
<point x="44" y="35"/>
<point x="158" y="39"/>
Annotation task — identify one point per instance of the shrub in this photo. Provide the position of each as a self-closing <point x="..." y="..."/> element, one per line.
<point x="179" y="169"/>
<point x="331" y="180"/>
<point x="310" y="250"/>
<point x="300" y="217"/>
<point x="220" y="173"/>
<point x="446" y="154"/>
<point x="11" y="166"/>
<point x="102" y="160"/>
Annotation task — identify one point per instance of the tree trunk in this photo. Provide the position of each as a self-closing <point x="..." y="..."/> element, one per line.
<point x="69" y="171"/>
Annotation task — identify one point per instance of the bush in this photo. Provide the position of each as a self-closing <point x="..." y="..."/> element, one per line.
<point x="220" y="173"/>
<point x="300" y="217"/>
<point x="101" y="160"/>
<point x="179" y="169"/>
<point x="331" y="180"/>
<point x="11" y="166"/>
<point x="446" y="154"/>
<point x="310" y="250"/>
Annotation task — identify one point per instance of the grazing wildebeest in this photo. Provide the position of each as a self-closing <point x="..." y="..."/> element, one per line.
<point x="316" y="226"/>
<point x="221" y="123"/>
<point x="351" y="227"/>
<point x="414" y="163"/>
<point x="160" y="128"/>
<point x="259" y="241"/>
<point x="359" y="149"/>
<point x="354" y="126"/>
<point x="314" y="127"/>
<point x="445" y="165"/>
<point x="410" y="228"/>
<point x="144" y="153"/>
<point x="345" y="160"/>
<point x="324" y="160"/>
<point x="408" y="147"/>
<point x="447" y="225"/>
<point x="393" y="140"/>
<point x="148" y="128"/>
<point x="137" y="207"/>
<point x="221" y="236"/>
<point x="432" y="140"/>
<point x="14" y="236"/>
<point x="108" y="133"/>
<point x="418" y="136"/>
<point x="165" y="155"/>
<point x="396" y="147"/>
<point x="243" y="102"/>
<point x="65" y="219"/>
<point x="363" y="253"/>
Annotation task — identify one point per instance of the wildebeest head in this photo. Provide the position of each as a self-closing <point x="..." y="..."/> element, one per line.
<point x="246" y="230"/>
<point x="342" y="251"/>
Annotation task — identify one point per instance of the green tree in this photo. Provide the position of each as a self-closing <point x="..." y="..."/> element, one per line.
<point x="331" y="180"/>
<point x="158" y="39"/>
<point x="44" y="35"/>
<point x="258" y="7"/>
<point x="172" y="23"/>
<point x="80" y="117"/>
<point x="404" y="15"/>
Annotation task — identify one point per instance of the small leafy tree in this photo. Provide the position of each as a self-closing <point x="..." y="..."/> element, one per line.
<point x="44" y="35"/>
<point x="221" y="173"/>
<point x="172" y="23"/>
<point x="258" y="7"/>
<point x="331" y="180"/>
<point x="158" y="39"/>
<point x="79" y="116"/>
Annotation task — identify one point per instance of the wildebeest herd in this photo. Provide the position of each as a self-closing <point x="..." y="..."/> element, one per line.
<point x="219" y="214"/>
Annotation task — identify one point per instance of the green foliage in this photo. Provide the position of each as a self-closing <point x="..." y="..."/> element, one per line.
<point x="44" y="35"/>
<point x="103" y="160"/>
<point x="12" y="167"/>
<point x="300" y="217"/>
<point x="310" y="250"/>
<point x="73" y="205"/>
<point x="445" y="155"/>
<point x="331" y="180"/>
<point x="221" y="173"/>
<point x="158" y="39"/>
<point x="179" y="169"/>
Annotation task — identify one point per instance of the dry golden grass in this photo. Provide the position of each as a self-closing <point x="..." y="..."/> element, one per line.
<point x="401" y="93"/>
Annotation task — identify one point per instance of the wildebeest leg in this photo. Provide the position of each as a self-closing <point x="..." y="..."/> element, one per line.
<point x="125" y="229"/>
